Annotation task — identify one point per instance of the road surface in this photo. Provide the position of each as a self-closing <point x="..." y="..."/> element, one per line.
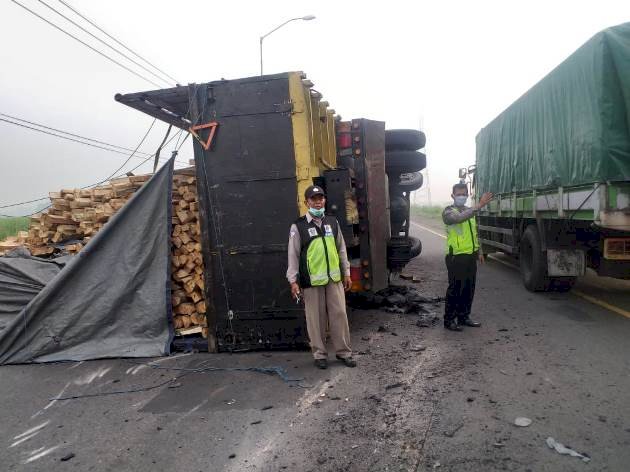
<point x="422" y="398"/>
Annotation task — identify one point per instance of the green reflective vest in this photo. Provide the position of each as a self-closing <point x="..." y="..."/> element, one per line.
<point x="461" y="238"/>
<point x="319" y="259"/>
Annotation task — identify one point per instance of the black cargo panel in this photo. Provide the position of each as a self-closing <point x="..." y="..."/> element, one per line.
<point x="247" y="191"/>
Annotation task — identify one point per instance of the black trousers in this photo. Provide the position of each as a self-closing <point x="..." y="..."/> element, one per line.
<point x="462" y="274"/>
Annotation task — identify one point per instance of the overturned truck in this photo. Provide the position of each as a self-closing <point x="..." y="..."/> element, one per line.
<point x="259" y="143"/>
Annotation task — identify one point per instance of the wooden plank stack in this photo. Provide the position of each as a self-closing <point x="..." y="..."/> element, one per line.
<point x="189" y="304"/>
<point x="76" y="215"/>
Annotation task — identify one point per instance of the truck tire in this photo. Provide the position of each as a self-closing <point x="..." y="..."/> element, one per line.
<point x="416" y="247"/>
<point x="533" y="261"/>
<point x="409" y="185"/>
<point x="404" y="162"/>
<point x="404" y="139"/>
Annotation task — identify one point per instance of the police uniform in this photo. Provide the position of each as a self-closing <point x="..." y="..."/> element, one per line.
<point x="462" y="251"/>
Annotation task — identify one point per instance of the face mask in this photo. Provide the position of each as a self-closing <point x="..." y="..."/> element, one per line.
<point x="460" y="200"/>
<point x="317" y="213"/>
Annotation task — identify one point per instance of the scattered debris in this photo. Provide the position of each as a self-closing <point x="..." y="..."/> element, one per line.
<point x="376" y="398"/>
<point x="67" y="457"/>
<point x="451" y="433"/>
<point x="231" y="402"/>
<point x="418" y="348"/>
<point x="562" y="449"/>
<point x="396" y="299"/>
<point x="522" y="421"/>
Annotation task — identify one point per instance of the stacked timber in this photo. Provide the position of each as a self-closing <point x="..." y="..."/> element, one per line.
<point x="189" y="305"/>
<point x="14" y="242"/>
<point x="76" y="215"/>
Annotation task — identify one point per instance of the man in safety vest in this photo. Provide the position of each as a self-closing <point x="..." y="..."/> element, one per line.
<point x="319" y="271"/>
<point x="462" y="251"/>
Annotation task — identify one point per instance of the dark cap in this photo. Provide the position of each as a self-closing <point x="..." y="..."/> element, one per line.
<point x="314" y="190"/>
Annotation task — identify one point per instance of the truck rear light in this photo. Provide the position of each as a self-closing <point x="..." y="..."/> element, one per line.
<point x="344" y="140"/>
<point x="617" y="248"/>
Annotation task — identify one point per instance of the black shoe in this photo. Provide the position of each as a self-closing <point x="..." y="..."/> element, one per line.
<point x="471" y="323"/>
<point x="348" y="361"/>
<point x="452" y="326"/>
<point x="321" y="363"/>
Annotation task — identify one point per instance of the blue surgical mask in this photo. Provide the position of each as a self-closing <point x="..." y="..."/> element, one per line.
<point x="317" y="213"/>
<point x="460" y="200"/>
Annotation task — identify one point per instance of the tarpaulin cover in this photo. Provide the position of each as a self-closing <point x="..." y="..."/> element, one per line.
<point x="113" y="298"/>
<point x="23" y="276"/>
<point x="571" y="128"/>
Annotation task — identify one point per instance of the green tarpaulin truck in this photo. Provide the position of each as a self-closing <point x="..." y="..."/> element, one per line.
<point x="558" y="162"/>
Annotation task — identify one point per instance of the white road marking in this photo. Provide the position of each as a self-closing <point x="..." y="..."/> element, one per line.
<point x="24" y="439"/>
<point x="429" y="230"/>
<point x="91" y="377"/>
<point x="41" y="454"/>
<point x="32" y="430"/>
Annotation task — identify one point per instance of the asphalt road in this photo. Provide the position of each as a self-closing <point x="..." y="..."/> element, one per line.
<point x="422" y="398"/>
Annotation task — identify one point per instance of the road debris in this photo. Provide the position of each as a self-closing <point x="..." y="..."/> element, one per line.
<point x="451" y="433"/>
<point x="67" y="457"/>
<point x="562" y="449"/>
<point x="522" y="421"/>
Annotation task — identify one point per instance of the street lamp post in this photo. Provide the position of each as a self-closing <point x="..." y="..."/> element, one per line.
<point x="305" y="18"/>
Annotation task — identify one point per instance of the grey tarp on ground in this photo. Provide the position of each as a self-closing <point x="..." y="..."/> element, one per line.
<point x="113" y="298"/>
<point x="22" y="277"/>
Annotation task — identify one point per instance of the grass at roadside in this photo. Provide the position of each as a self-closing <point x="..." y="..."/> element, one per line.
<point x="427" y="212"/>
<point x="11" y="226"/>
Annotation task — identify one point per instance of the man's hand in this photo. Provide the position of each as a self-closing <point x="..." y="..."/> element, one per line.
<point x="295" y="290"/>
<point x="482" y="260"/>
<point x="484" y="200"/>
<point x="347" y="283"/>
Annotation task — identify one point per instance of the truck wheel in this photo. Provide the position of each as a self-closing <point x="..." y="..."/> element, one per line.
<point x="409" y="185"/>
<point x="533" y="261"/>
<point x="404" y="139"/>
<point x="416" y="247"/>
<point x="404" y="162"/>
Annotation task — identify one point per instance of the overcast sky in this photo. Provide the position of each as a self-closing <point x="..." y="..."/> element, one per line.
<point x="450" y="66"/>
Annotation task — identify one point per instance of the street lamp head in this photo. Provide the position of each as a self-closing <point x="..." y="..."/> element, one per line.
<point x="308" y="17"/>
